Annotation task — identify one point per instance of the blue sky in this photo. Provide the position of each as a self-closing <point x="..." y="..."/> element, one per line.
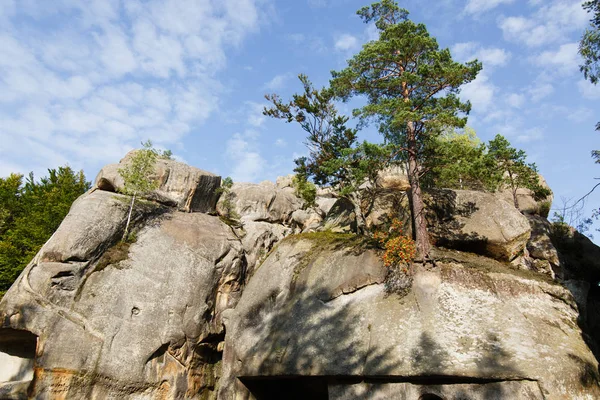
<point x="83" y="82"/>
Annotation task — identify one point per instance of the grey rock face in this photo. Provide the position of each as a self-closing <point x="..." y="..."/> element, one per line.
<point x="189" y="189"/>
<point x="340" y="217"/>
<point x="321" y="311"/>
<point x="261" y="202"/>
<point x="258" y="238"/>
<point x="140" y="320"/>
<point x="394" y="177"/>
<point x="527" y="201"/>
<point x="478" y="222"/>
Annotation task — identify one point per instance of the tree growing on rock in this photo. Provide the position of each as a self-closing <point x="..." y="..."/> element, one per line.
<point x="411" y="87"/>
<point x="510" y="169"/>
<point x="137" y="176"/>
<point x="335" y="157"/>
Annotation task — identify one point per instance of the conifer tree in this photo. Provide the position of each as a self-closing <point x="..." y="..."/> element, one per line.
<point x="411" y="87"/>
<point x="336" y="158"/>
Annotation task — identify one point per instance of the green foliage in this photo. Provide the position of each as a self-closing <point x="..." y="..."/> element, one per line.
<point x="457" y="160"/>
<point x="510" y="169"/>
<point x="305" y="189"/>
<point x="30" y="212"/>
<point x="335" y="158"/>
<point x="411" y="87"/>
<point x="589" y="46"/>
<point x="231" y="217"/>
<point x="137" y="173"/>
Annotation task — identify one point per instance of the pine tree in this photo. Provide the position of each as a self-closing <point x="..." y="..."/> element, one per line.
<point x="335" y="156"/>
<point x="411" y="87"/>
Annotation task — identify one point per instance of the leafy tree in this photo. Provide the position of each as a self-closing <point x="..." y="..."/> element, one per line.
<point x="589" y="46"/>
<point x="137" y="176"/>
<point x="335" y="157"/>
<point x="511" y="169"/>
<point x="305" y="189"/>
<point x="411" y="87"/>
<point x="31" y="212"/>
<point x="457" y="160"/>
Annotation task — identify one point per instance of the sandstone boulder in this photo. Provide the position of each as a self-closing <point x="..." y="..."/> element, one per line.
<point x="258" y="238"/>
<point x="478" y="222"/>
<point x="394" y="178"/>
<point x="136" y="320"/>
<point x="528" y="204"/>
<point x="261" y="202"/>
<point x="189" y="189"/>
<point x="340" y="217"/>
<point x="387" y="205"/>
<point x="308" y="220"/>
<point x="317" y="311"/>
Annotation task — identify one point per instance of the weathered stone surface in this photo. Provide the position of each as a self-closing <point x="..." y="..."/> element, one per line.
<point x="189" y="188"/>
<point x="469" y="322"/>
<point x="262" y="202"/>
<point x="307" y="220"/>
<point x="96" y="220"/>
<point x="394" y="177"/>
<point x="478" y="222"/>
<point x="325" y="203"/>
<point x="341" y="217"/>
<point x="387" y="205"/>
<point x="526" y="199"/>
<point x="522" y="390"/>
<point x="258" y="239"/>
<point x="144" y="325"/>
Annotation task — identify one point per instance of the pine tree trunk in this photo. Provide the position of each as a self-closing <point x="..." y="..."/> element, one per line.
<point x="128" y="218"/>
<point x="361" y="225"/>
<point x="418" y="207"/>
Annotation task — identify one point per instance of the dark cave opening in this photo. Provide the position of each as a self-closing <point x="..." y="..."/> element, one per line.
<point x="295" y="388"/>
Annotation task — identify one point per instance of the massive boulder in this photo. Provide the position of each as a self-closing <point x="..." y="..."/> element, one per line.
<point x="260" y="202"/>
<point x="315" y="320"/>
<point x="478" y="222"/>
<point x="107" y="319"/>
<point x="527" y="202"/>
<point x="197" y="306"/>
<point x="189" y="189"/>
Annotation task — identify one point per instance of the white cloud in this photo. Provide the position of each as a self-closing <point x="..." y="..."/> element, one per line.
<point x="588" y="90"/>
<point x="489" y="56"/>
<point x="280" y="143"/>
<point x="515" y="100"/>
<point x="564" y="60"/>
<point x="480" y="6"/>
<point x="581" y="114"/>
<point x="530" y="135"/>
<point x="105" y="74"/>
<point x="278" y="82"/>
<point x="248" y="164"/>
<point x="346" y="42"/>
<point x="255" y="118"/>
<point x="551" y="23"/>
<point x="480" y="92"/>
<point x="540" y="91"/>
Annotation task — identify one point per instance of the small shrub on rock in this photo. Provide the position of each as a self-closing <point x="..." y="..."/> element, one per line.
<point x="400" y="251"/>
<point x="399" y="248"/>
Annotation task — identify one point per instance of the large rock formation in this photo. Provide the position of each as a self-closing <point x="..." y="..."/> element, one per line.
<point x="112" y="319"/>
<point x="316" y="317"/>
<point x="200" y="306"/>
<point x="188" y="188"/>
